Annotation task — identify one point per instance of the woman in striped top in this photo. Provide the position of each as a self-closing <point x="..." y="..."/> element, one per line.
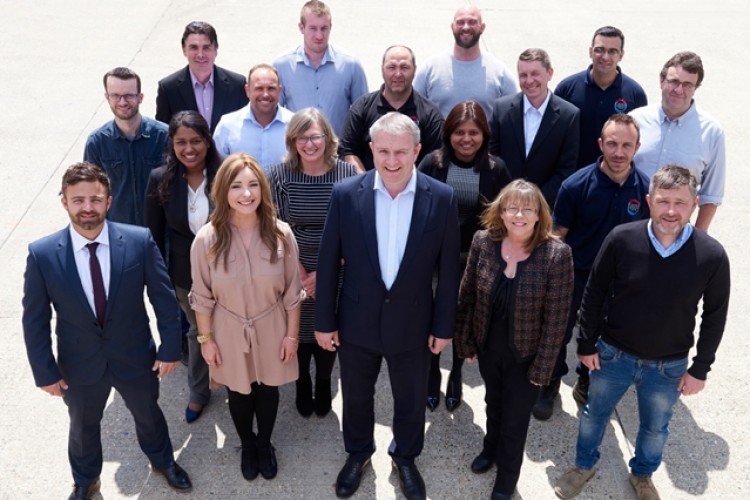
<point x="301" y="188"/>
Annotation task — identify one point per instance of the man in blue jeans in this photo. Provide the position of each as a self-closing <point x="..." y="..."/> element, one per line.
<point x="650" y="275"/>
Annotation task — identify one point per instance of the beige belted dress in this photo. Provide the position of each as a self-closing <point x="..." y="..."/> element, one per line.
<point x="248" y="303"/>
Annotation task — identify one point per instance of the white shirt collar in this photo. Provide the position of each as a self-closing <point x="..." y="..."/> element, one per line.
<point x="79" y="241"/>
<point x="527" y="104"/>
<point x="411" y="186"/>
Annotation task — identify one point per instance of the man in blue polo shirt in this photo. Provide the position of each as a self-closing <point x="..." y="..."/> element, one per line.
<point x="590" y="203"/>
<point x="601" y="90"/>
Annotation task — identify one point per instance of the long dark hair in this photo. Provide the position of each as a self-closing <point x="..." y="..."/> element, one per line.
<point x="192" y="120"/>
<point x="460" y="114"/>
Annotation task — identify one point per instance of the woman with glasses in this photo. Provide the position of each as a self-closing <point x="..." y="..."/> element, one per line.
<point x="512" y="313"/>
<point x="464" y="163"/>
<point x="301" y="188"/>
<point x="177" y="205"/>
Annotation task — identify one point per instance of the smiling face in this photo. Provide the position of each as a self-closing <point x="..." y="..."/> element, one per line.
<point x="619" y="143"/>
<point x="394" y="157"/>
<point x="200" y="53"/>
<point x="675" y="98"/>
<point x="123" y="97"/>
<point x="190" y="148"/>
<point x="311" y="144"/>
<point x="263" y="90"/>
<point x="244" y="195"/>
<point x="466" y="140"/>
<point x="87" y="204"/>
<point x="670" y="211"/>
<point x="520" y="218"/>
<point x="467" y="27"/>
<point x="606" y="53"/>
<point x="533" y="78"/>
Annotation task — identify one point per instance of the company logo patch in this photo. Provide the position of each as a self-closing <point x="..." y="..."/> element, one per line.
<point x="634" y="206"/>
<point x="621" y="105"/>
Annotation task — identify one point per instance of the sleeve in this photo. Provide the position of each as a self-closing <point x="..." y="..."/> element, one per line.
<point x="640" y="98"/>
<point x="153" y="214"/>
<point x="448" y="274"/>
<point x="278" y="64"/>
<point x="37" y="333"/>
<point x="714" y="176"/>
<point x="359" y="82"/>
<point x="91" y="152"/>
<point x="420" y="81"/>
<point x="465" y="341"/>
<point x="163" y="111"/>
<point x="567" y="161"/>
<point x="201" y="295"/>
<point x="594" y="296"/>
<point x="221" y="139"/>
<point x="293" y="293"/>
<point x="564" y="213"/>
<point x="508" y="85"/>
<point x="327" y="270"/>
<point x="278" y="191"/>
<point x="353" y="134"/>
<point x="558" y="295"/>
<point x="713" y="319"/>
<point x="163" y="300"/>
<point x="432" y="131"/>
<point x="495" y="148"/>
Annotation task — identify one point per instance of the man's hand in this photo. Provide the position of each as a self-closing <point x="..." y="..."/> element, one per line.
<point x="164" y="367"/>
<point x="436" y="345"/>
<point x="690" y="385"/>
<point x="328" y="341"/>
<point x="56" y="389"/>
<point x="591" y="361"/>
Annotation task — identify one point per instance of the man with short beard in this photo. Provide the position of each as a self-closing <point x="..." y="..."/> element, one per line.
<point x="128" y="147"/>
<point x="477" y="76"/>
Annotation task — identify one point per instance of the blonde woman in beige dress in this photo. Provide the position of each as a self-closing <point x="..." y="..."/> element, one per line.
<point x="246" y="294"/>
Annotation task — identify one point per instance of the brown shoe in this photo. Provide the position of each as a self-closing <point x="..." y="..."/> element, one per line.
<point x="644" y="488"/>
<point x="572" y="482"/>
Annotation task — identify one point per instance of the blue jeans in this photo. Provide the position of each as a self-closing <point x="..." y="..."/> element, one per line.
<point x="656" y="387"/>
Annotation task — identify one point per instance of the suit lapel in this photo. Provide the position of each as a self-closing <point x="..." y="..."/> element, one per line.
<point x="516" y="121"/>
<point x="117" y="262"/>
<point x="419" y="216"/>
<point x="366" y="197"/>
<point x="221" y="84"/>
<point x="186" y="90"/>
<point x="551" y="115"/>
<point x="70" y="270"/>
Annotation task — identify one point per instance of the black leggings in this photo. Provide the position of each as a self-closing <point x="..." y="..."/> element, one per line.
<point x="262" y="404"/>
<point x="324" y="361"/>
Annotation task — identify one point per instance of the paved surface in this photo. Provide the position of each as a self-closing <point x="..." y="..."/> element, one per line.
<point x="54" y="54"/>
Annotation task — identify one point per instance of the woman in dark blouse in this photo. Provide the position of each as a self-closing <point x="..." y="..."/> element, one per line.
<point x="477" y="177"/>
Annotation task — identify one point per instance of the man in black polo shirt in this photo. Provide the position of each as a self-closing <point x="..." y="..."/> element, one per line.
<point x="396" y="94"/>
<point x="601" y="90"/>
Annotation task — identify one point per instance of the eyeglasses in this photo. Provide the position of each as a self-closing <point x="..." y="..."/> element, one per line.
<point x="526" y="212"/>
<point x="686" y="86"/>
<point x="304" y="139"/>
<point x="116" y="97"/>
<point x="600" y="51"/>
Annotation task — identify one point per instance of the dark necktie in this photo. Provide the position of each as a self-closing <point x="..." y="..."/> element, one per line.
<point x="100" y="298"/>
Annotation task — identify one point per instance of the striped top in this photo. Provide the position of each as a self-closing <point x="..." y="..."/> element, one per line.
<point x="301" y="200"/>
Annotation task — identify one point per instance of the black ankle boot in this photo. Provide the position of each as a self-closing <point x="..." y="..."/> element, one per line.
<point x="322" y="402"/>
<point x="267" y="462"/>
<point x="304" y="398"/>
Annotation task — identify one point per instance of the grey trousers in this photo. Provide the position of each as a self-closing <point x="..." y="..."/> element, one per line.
<point x="197" y="367"/>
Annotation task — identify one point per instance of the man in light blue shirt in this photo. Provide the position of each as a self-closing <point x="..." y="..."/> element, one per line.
<point x="317" y="75"/>
<point x="258" y="129"/>
<point x="678" y="132"/>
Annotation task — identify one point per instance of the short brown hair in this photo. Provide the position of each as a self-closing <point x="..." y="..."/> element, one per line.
<point x="123" y="74"/>
<point x="622" y="119"/>
<point x="689" y="61"/>
<point x="84" y="172"/>
<point x="536" y="55"/>
<point x="673" y="177"/>
<point x="316" y="8"/>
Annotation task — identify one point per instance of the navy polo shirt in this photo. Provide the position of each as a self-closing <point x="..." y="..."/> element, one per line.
<point x="590" y="205"/>
<point x="597" y="105"/>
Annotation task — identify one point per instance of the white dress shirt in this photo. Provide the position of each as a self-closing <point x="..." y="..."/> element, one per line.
<point x="532" y="119"/>
<point x="81" y="254"/>
<point x="392" y="223"/>
<point x="197" y="208"/>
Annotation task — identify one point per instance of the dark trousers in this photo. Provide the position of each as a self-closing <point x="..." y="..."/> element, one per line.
<point x="510" y="397"/>
<point x="408" y="375"/>
<point x="324" y="361"/>
<point x="86" y="407"/>
<point x="261" y="406"/>
<point x="561" y="366"/>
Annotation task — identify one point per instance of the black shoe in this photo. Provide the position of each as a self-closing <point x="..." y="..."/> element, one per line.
<point x="453" y="392"/>
<point x="176" y="477"/>
<point x="267" y="462"/>
<point x="249" y="462"/>
<point x="85" y="492"/>
<point x="433" y="402"/>
<point x="545" y="402"/>
<point x="496" y="495"/>
<point x="304" y="399"/>
<point x="581" y="390"/>
<point x="412" y="484"/>
<point x="481" y="464"/>
<point x="322" y="402"/>
<point x="350" y="476"/>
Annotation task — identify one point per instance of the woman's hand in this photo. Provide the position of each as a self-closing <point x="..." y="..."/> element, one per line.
<point x="210" y="353"/>
<point x="308" y="283"/>
<point x="288" y="349"/>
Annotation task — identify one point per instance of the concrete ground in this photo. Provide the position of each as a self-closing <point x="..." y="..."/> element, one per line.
<point x="53" y="58"/>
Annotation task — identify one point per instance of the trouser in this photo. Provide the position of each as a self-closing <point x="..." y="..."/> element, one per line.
<point x="261" y="405"/>
<point x="561" y="366"/>
<point x="198" y="380"/>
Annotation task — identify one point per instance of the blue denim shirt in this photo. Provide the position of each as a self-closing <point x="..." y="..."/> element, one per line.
<point x="128" y="163"/>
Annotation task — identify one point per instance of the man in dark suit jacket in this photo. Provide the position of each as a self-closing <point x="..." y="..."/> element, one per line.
<point x="93" y="272"/>
<point x="200" y="86"/>
<point x="392" y="227"/>
<point x="534" y="131"/>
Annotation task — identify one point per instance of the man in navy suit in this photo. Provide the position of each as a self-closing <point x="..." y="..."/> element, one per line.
<point x="392" y="227"/>
<point x="201" y="85"/>
<point x="93" y="272"/>
<point x="534" y="131"/>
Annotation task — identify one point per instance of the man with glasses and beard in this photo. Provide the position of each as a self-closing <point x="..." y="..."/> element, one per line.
<point x="128" y="147"/>
<point x="467" y="74"/>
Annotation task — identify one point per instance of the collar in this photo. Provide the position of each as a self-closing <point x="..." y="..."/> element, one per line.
<point x="196" y="82"/>
<point x="411" y="186"/>
<point x="251" y="116"/>
<point x="116" y="133"/>
<point x="527" y="104"/>
<point x="686" y="232"/>
<point x="329" y="56"/>
<point x="590" y="80"/>
<point x="409" y="107"/>
<point x="79" y="241"/>
<point x="691" y="112"/>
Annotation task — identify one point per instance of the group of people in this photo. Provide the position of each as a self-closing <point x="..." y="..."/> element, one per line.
<point x="294" y="217"/>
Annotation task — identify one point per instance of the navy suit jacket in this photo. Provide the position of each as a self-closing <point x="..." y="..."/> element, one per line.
<point x="368" y="314"/>
<point x="175" y="94"/>
<point x="553" y="155"/>
<point x="85" y="350"/>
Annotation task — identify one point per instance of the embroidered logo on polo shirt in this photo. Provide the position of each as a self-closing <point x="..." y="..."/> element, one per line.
<point x="634" y="206"/>
<point x="621" y="105"/>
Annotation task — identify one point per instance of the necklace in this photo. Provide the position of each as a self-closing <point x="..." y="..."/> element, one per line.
<point x="192" y="201"/>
